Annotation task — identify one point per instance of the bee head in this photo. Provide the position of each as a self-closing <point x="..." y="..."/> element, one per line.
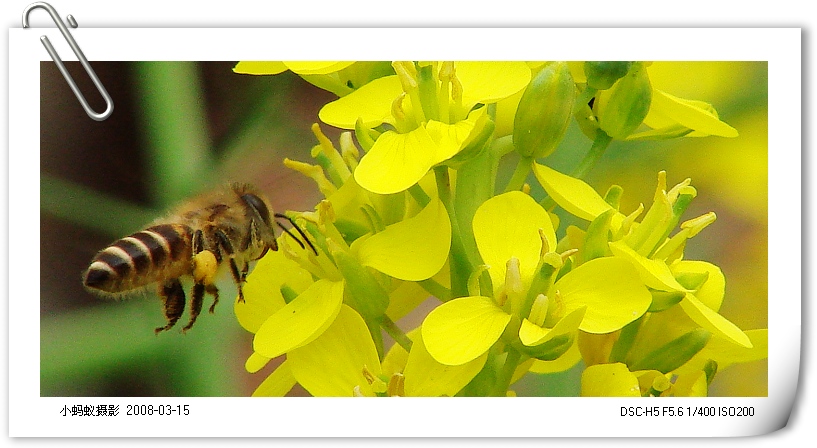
<point x="258" y="210"/>
<point x="258" y="207"/>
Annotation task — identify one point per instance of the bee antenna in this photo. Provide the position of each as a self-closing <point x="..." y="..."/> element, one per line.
<point x="295" y="226"/>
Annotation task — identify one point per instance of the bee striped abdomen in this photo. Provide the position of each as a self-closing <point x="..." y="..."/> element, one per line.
<point x="157" y="253"/>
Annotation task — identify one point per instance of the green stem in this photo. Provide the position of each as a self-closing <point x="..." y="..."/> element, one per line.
<point x="600" y="144"/>
<point x="459" y="264"/>
<point x="437" y="290"/>
<point x="625" y="341"/>
<point x="503" y="381"/>
<point x="520" y="174"/>
<point x="419" y="195"/>
<point x="443" y="185"/>
<point x="377" y="337"/>
<point x="396" y="333"/>
<point x="427" y="84"/>
<point x="585" y="96"/>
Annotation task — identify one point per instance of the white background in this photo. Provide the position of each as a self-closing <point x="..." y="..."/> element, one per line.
<point x="29" y="414"/>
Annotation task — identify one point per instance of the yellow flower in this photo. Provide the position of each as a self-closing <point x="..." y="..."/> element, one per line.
<point x="600" y="296"/>
<point x="338" y="77"/>
<point x="413" y="249"/>
<point x="343" y="362"/>
<point x="431" y="110"/>
<point x="647" y="246"/>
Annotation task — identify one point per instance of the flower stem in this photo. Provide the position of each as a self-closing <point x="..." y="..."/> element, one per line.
<point x="443" y="184"/>
<point x="503" y="381"/>
<point x="396" y="333"/>
<point x="419" y="195"/>
<point x="459" y="264"/>
<point x="435" y="289"/>
<point x="600" y="144"/>
<point x="377" y="337"/>
<point x="520" y="174"/>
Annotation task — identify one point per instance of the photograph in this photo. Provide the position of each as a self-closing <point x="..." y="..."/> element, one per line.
<point x="466" y="228"/>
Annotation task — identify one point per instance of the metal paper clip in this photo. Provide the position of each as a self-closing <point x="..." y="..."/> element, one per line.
<point x="80" y="56"/>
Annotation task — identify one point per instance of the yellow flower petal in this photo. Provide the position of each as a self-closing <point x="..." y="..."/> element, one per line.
<point x="609" y="380"/>
<point x="425" y="377"/>
<point x="488" y="82"/>
<point x="725" y="352"/>
<point x="256" y="362"/>
<point x="396" y="161"/>
<point x="299" y="67"/>
<point x="573" y="195"/>
<point x="397" y="357"/>
<point x="300" y="321"/>
<point x="332" y="365"/>
<point x="695" y="115"/>
<point x="451" y="138"/>
<point x="317" y="67"/>
<point x="571" y="357"/>
<point x="712" y="291"/>
<point x="712" y="321"/>
<point x="404" y="299"/>
<point x="347" y="203"/>
<point x="655" y="273"/>
<point x="414" y="249"/>
<point x="372" y="103"/>
<point x="262" y="291"/>
<point x="508" y="226"/>
<point x="461" y="330"/>
<point x="532" y="335"/>
<point x="260" y="67"/>
<point x="610" y="289"/>
<point x="691" y="384"/>
<point x="277" y="384"/>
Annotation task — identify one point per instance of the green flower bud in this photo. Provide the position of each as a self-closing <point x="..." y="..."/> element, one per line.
<point x="550" y="350"/>
<point x="623" y="107"/>
<point x="597" y="237"/>
<point x="692" y="280"/>
<point x="710" y="369"/>
<point x="675" y="353"/>
<point x="602" y="75"/>
<point x="544" y="111"/>
<point x="363" y="292"/>
<point x="662" y="300"/>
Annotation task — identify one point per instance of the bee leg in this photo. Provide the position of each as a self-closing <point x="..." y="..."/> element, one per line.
<point x="238" y="278"/>
<point x="172" y="296"/>
<point x="198" y="242"/>
<point x="211" y="289"/>
<point x="244" y="271"/>
<point x="195" y="305"/>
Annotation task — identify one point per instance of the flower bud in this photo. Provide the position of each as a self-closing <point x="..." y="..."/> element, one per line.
<point x="362" y="292"/>
<point x="550" y="350"/>
<point x="544" y="111"/>
<point x="663" y="300"/>
<point x="602" y="75"/>
<point x="623" y="107"/>
<point x="675" y="353"/>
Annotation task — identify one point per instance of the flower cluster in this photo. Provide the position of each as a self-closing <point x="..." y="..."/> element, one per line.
<point x="419" y="215"/>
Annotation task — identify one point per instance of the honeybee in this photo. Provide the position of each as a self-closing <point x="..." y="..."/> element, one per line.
<point x="229" y="227"/>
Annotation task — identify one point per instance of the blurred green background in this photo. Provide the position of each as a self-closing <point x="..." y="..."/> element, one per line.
<point x="182" y="127"/>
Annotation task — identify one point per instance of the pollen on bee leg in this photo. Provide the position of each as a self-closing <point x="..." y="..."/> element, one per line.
<point x="204" y="267"/>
